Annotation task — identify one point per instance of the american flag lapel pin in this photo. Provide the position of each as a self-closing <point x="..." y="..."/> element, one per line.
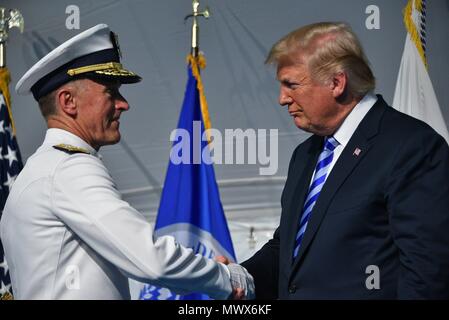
<point x="356" y="152"/>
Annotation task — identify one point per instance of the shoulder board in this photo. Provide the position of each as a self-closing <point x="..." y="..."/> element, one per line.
<point x="6" y="296"/>
<point x="70" y="149"/>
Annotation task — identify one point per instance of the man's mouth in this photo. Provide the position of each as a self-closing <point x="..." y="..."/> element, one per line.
<point x="295" y="113"/>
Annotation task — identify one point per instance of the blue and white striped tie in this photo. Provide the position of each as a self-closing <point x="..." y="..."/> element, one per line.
<point x="321" y="169"/>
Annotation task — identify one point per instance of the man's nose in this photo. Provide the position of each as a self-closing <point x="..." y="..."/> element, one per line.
<point x="121" y="104"/>
<point x="284" y="97"/>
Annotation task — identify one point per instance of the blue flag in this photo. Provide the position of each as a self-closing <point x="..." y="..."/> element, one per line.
<point x="190" y="207"/>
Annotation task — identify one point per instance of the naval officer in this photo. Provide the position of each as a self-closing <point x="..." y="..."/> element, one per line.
<point x="66" y="231"/>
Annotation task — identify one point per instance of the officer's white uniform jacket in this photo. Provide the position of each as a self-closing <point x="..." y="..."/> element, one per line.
<point x="67" y="234"/>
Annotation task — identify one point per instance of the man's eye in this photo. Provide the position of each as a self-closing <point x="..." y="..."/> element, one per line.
<point x="291" y="85"/>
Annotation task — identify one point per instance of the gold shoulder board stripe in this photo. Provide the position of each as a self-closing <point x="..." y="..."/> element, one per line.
<point x="70" y="149"/>
<point x="6" y="296"/>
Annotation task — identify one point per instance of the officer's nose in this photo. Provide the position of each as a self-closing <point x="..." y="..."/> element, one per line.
<point x="121" y="104"/>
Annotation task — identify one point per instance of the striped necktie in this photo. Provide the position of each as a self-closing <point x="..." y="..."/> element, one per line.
<point x="321" y="170"/>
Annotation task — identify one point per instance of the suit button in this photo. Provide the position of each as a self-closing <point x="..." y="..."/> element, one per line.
<point x="292" y="289"/>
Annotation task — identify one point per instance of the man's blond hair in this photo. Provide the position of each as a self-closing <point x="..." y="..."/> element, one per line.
<point x="327" y="48"/>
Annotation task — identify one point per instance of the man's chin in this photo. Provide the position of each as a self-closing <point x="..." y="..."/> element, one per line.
<point x="307" y="127"/>
<point x="301" y="124"/>
<point x="112" y="140"/>
<point x="117" y="139"/>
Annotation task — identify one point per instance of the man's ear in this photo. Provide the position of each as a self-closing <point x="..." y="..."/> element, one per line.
<point x="66" y="99"/>
<point x="339" y="83"/>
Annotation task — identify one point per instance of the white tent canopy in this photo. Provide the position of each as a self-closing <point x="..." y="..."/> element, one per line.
<point x="241" y="91"/>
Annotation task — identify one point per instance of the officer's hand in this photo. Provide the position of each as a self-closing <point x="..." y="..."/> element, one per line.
<point x="242" y="282"/>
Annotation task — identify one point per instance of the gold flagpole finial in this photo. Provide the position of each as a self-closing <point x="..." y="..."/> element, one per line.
<point x="195" y="27"/>
<point x="14" y="19"/>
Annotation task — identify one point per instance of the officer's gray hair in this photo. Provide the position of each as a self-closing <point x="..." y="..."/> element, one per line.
<point x="47" y="104"/>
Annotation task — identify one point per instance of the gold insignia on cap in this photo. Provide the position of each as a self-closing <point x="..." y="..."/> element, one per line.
<point x="94" y="67"/>
<point x="70" y="149"/>
<point x="108" y="68"/>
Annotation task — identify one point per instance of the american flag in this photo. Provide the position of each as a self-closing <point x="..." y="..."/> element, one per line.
<point x="10" y="166"/>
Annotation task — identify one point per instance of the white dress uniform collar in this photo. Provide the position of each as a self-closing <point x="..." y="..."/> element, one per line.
<point x="56" y="136"/>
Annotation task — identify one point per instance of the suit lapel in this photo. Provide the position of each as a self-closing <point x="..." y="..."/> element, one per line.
<point x="354" y="152"/>
<point x="303" y="174"/>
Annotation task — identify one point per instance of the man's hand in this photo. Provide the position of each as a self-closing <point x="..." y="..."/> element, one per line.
<point x="222" y="259"/>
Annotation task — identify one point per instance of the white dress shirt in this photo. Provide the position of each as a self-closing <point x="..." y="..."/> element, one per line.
<point x="67" y="234"/>
<point x="348" y="127"/>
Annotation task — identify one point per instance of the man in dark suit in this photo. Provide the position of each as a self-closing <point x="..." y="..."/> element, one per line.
<point x="365" y="209"/>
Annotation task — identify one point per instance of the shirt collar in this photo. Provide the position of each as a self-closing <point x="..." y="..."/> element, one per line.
<point x="352" y="121"/>
<point x="56" y="136"/>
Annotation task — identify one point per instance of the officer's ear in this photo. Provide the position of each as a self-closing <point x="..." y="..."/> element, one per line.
<point x="66" y="99"/>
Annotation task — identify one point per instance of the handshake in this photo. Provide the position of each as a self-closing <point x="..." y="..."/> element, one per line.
<point x="241" y="281"/>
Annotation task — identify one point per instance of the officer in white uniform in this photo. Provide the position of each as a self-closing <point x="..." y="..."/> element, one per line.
<point x="67" y="234"/>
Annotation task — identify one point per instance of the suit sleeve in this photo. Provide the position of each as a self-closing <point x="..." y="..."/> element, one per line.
<point x="418" y="203"/>
<point x="86" y="200"/>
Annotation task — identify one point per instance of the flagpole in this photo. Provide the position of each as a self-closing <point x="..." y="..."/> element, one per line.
<point x="197" y="60"/>
<point x="195" y="26"/>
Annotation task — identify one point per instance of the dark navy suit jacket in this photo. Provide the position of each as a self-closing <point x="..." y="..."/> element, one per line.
<point x="387" y="206"/>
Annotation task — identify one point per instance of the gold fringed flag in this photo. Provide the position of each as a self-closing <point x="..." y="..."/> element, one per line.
<point x="414" y="94"/>
<point x="10" y="166"/>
